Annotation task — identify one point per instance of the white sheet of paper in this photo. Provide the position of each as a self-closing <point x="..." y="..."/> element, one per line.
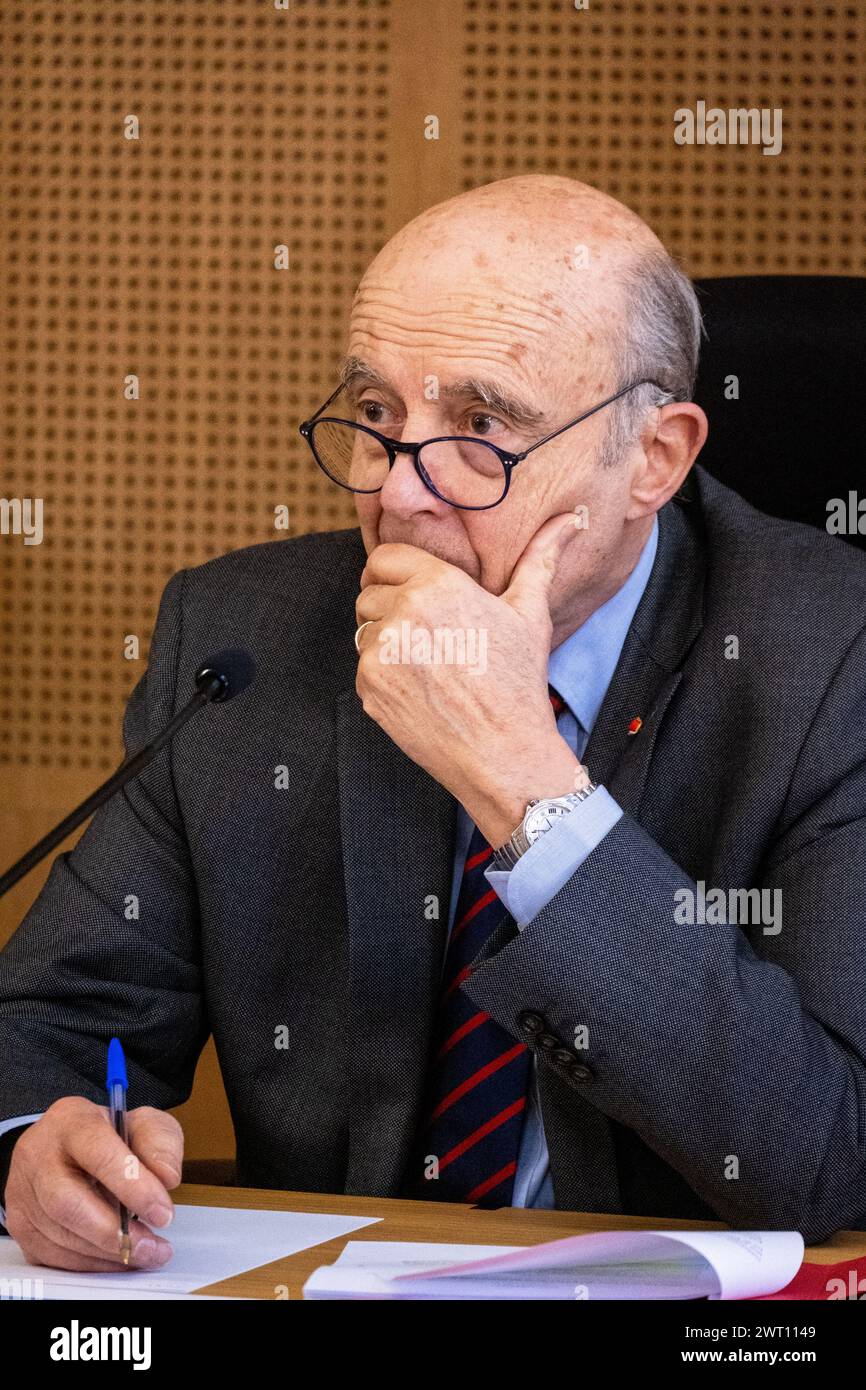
<point x="747" y="1263"/>
<point x="614" y="1264"/>
<point x="210" y="1244"/>
<point x="423" y="1254"/>
<point x="366" y="1268"/>
<point x="743" y="1263"/>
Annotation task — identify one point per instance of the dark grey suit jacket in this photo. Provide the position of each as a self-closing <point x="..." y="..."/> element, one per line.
<point x="726" y="1069"/>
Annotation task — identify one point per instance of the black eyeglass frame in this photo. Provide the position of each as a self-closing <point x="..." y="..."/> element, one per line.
<point x="393" y="447"/>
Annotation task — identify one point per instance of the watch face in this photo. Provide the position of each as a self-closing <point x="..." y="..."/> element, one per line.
<point x="541" y="818"/>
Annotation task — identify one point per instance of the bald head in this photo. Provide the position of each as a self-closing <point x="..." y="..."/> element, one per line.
<point x="549" y="253"/>
<point x="534" y="211"/>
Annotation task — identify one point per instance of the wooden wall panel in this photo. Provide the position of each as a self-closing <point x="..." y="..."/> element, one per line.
<point x="593" y="93"/>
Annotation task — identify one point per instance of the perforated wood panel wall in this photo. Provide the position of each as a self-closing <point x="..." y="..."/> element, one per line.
<point x="304" y="126"/>
<point x="155" y="256"/>
<point x="593" y="94"/>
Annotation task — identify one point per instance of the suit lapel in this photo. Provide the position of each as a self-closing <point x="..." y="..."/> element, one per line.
<point x="397" y="827"/>
<point x="667" y="620"/>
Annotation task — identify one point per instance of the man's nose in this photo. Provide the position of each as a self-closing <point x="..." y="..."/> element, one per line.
<point x="404" y="492"/>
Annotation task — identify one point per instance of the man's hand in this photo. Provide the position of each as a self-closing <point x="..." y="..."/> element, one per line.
<point x="486" y="732"/>
<point x="66" y="1170"/>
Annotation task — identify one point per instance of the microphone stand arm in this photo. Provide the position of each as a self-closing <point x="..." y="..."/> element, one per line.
<point x="209" y="689"/>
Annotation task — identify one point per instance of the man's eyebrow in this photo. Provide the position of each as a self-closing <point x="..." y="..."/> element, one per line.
<point x="520" y="412"/>
<point x="356" y="375"/>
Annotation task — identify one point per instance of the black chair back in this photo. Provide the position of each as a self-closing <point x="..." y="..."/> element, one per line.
<point x="792" y="440"/>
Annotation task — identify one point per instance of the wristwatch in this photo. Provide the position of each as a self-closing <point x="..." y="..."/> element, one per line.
<point x="539" y="818"/>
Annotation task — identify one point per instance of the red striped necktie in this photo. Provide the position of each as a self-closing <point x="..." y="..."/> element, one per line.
<point x="479" y="1073"/>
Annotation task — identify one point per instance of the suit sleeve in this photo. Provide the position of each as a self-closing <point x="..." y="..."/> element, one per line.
<point x="738" y="1055"/>
<point x="111" y="944"/>
<point x="10" y="1133"/>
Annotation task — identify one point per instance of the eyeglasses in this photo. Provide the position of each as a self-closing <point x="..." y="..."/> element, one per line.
<point x="463" y="471"/>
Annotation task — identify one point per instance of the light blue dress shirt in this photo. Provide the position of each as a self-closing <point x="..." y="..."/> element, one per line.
<point x="580" y="669"/>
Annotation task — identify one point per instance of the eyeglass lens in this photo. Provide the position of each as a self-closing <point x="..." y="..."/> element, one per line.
<point x="465" y="471"/>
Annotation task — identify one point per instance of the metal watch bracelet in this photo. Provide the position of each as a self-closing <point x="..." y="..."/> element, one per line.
<point x="554" y="807"/>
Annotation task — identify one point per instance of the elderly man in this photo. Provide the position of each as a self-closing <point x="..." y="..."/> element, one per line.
<point x="542" y="890"/>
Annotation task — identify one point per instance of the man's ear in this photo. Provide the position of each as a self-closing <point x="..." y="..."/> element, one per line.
<point x="672" y="440"/>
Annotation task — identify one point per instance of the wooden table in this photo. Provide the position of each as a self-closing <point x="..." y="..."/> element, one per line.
<point x="434" y="1221"/>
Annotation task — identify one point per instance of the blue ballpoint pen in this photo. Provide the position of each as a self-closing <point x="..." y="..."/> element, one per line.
<point x="116" y="1082"/>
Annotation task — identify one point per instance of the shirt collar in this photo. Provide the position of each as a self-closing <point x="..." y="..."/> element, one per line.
<point x="581" y="668"/>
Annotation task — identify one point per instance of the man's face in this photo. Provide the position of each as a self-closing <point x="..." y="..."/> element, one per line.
<point x="437" y="321"/>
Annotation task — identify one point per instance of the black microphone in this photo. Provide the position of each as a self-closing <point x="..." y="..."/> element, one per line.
<point x="227" y="674"/>
<point x="218" y="679"/>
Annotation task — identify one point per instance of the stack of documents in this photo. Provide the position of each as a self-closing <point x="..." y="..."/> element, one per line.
<point x="615" y="1264"/>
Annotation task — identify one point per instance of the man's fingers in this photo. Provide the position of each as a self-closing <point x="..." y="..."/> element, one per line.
<point x="533" y="575"/>
<point x="93" y="1146"/>
<point x="66" y="1206"/>
<point x="157" y="1138"/>
<point x="41" y="1250"/>
<point x="46" y="1244"/>
<point x="148" y="1250"/>
<point x="393" y="563"/>
<point x="372" y="603"/>
<point x="65" y="1201"/>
